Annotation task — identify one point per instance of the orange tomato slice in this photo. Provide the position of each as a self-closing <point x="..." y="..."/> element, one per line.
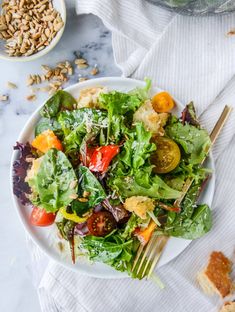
<point x="47" y="140"/>
<point x="162" y="102"/>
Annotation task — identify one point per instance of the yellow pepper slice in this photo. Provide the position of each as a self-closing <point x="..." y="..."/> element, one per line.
<point x="72" y="216"/>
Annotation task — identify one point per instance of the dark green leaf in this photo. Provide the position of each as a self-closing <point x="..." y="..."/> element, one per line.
<point x="88" y="183"/>
<point x="81" y="123"/>
<point x="61" y="100"/>
<point x="195" y="142"/>
<point x="192" y="228"/>
<point x="45" y="124"/>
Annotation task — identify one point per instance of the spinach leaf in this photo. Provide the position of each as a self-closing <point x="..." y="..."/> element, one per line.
<point x="61" y="100"/>
<point x="192" y="228"/>
<point x="52" y="182"/>
<point x="46" y="123"/>
<point x="89" y="184"/>
<point x="193" y="222"/>
<point x="195" y="142"/>
<point x="107" y="249"/>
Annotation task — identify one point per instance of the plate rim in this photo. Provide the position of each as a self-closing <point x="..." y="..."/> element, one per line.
<point x="25" y="224"/>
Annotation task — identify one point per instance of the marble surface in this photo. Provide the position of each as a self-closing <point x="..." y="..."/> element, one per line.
<point x="88" y="35"/>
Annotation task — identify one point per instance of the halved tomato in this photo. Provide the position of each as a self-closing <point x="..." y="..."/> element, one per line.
<point x="101" y="223"/>
<point x="40" y="217"/>
<point x="167" y="155"/>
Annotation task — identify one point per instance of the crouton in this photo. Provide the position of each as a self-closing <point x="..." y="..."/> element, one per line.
<point x="140" y="205"/>
<point x="89" y="97"/>
<point x="215" y="277"/>
<point x="153" y="122"/>
<point x="228" y="307"/>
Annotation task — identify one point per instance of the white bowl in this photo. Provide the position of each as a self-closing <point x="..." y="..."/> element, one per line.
<point x="59" y="5"/>
<point x="45" y="237"/>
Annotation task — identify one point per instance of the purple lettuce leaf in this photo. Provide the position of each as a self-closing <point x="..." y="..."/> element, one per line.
<point x="20" y="166"/>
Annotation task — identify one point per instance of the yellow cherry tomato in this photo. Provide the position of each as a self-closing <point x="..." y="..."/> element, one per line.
<point x="72" y="216"/>
<point x="167" y="155"/>
<point x="162" y="102"/>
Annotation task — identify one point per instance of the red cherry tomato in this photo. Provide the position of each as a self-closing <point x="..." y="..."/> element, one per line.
<point x="102" y="157"/>
<point x="40" y="217"/>
<point x="101" y="223"/>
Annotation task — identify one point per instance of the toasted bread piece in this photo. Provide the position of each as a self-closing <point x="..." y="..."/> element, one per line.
<point x="228" y="307"/>
<point x="215" y="277"/>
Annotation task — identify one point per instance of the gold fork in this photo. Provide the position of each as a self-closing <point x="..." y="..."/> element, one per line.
<point x="147" y="256"/>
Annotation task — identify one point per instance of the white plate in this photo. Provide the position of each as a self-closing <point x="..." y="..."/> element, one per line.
<point x="47" y="239"/>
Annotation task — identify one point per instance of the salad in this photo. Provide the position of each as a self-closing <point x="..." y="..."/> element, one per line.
<point x="107" y="168"/>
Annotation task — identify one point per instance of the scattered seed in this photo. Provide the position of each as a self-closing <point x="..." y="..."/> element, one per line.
<point x="86" y="194"/>
<point x="30" y="81"/>
<point x="81" y="79"/>
<point x="11" y="85"/>
<point x="73" y="196"/>
<point x="61" y="246"/>
<point x="80" y="61"/>
<point x="3" y="97"/>
<point x="45" y="89"/>
<point x="94" y="71"/>
<point x="82" y="200"/>
<point x="82" y="66"/>
<point x="31" y="97"/>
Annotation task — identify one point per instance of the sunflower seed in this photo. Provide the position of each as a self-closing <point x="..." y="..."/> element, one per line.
<point x="3" y="97"/>
<point x="11" y="85"/>
<point x="31" y="97"/>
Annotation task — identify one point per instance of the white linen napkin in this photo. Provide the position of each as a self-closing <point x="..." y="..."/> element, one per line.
<point x="192" y="58"/>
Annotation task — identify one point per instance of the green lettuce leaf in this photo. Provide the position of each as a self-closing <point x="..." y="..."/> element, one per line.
<point x="137" y="148"/>
<point x="156" y="187"/>
<point x="61" y="100"/>
<point x="118" y="103"/>
<point x="194" y="141"/>
<point x="81" y="123"/>
<point x="52" y="183"/>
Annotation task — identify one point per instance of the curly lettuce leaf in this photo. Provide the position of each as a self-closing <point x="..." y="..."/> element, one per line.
<point x="81" y="123"/>
<point x="137" y="148"/>
<point x="61" y="100"/>
<point x="54" y="184"/>
<point x="194" y="141"/>
<point x="118" y="103"/>
<point x="156" y="188"/>
<point x="142" y="93"/>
